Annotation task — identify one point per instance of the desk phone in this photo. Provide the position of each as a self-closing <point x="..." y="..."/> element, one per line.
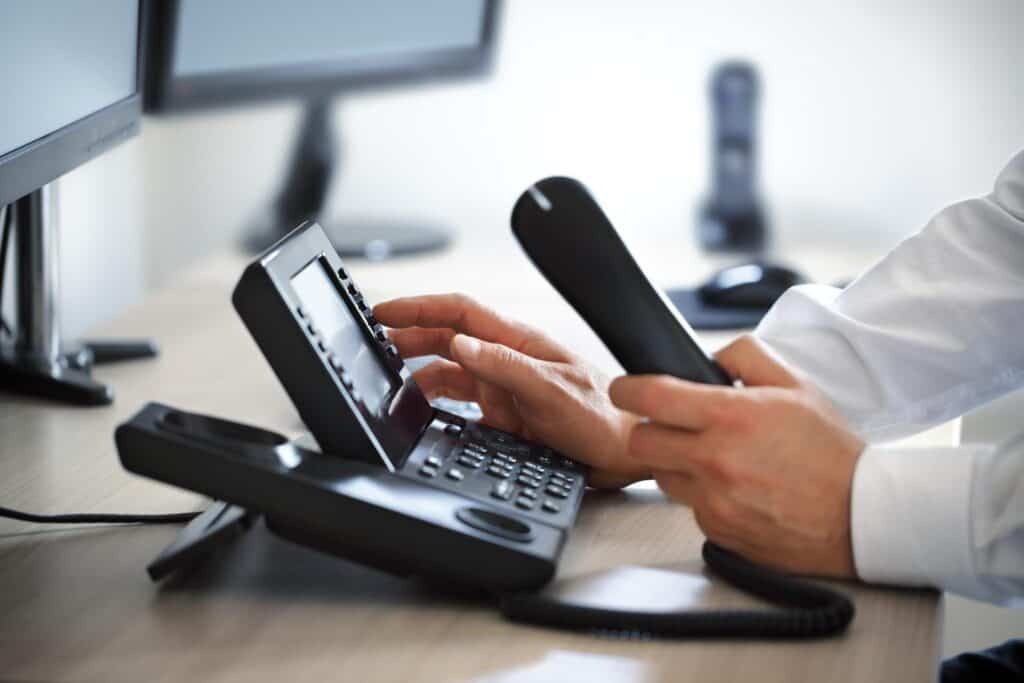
<point x="395" y="483"/>
<point x="386" y="479"/>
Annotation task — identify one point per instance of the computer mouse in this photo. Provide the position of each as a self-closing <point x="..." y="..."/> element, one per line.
<point x="751" y="285"/>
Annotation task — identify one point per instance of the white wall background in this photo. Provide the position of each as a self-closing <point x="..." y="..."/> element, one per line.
<point x="102" y="238"/>
<point x="875" y="114"/>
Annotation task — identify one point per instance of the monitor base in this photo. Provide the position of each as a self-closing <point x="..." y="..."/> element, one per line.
<point x="68" y="378"/>
<point x="367" y="239"/>
<point x="377" y="241"/>
<point x="303" y="195"/>
<point x="59" y="381"/>
<point x="36" y="362"/>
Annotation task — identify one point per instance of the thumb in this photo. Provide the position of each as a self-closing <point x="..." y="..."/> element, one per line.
<point x="749" y="360"/>
<point x="497" y="364"/>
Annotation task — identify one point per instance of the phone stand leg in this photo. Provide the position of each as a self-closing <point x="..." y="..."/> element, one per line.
<point x="218" y="525"/>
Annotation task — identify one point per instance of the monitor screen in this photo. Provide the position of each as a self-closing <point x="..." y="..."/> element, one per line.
<point x="224" y="36"/>
<point x="61" y="62"/>
<point x="345" y="336"/>
<point x="208" y="53"/>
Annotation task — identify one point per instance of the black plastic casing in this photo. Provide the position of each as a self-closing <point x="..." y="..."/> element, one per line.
<point x="340" y="423"/>
<point x="574" y="245"/>
<point x="346" y="508"/>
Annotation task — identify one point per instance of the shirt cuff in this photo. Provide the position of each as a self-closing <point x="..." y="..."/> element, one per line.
<point x="910" y="514"/>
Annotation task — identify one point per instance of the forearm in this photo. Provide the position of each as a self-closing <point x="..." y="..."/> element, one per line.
<point x="930" y="331"/>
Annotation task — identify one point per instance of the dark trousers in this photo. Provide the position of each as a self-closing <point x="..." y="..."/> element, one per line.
<point x="1001" y="663"/>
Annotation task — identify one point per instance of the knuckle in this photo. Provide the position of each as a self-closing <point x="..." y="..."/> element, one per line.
<point x="719" y="511"/>
<point x="737" y="347"/>
<point x="737" y="411"/>
<point x="462" y="299"/>
<point x="703" y="519"/>
<point x="561" y="386"/>
<point x="745" y="341"/>
<point x="740" y="417"/>
<point x="723" y="410"/>
<point x="639" y="439"/>
<point x="653" y="393"/>
<point x="727" y="468"/>
<point x="698" y="516"/>
<point x="501" y="356"/>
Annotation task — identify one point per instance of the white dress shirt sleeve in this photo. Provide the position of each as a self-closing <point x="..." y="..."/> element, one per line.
<point x="932" y="330"/>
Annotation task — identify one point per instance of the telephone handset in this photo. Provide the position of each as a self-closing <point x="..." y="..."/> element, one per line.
<point x="574" y="245"/>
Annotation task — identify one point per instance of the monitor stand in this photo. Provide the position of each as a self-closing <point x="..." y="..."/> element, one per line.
<point x="35" y="363"/>
<point x="303" y="196"/>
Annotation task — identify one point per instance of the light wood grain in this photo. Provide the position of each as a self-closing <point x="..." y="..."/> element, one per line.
<point x="75" y="604"/>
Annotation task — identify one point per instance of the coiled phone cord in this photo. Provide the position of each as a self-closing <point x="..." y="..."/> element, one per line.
<point x="810" y="610"/>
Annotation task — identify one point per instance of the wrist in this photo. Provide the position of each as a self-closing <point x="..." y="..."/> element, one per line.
<point x="618" y="469"/>
<point x="845" y="566"/>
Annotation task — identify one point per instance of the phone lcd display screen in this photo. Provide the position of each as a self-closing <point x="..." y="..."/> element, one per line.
<point x="344" y="335"/>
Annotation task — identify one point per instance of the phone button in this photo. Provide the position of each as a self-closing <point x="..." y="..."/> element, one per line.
<point x="494" y="523"/>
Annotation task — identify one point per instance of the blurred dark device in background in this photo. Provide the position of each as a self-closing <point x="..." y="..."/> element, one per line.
<point x="208" y="53"/>
<point x="68" y="74"/>
<point x="751" y="285"/>
<point x="732" y="219"/>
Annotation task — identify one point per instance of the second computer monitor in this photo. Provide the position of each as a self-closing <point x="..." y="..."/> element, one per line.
<point x="208" y="53"/>
<point x="205" y="53"/>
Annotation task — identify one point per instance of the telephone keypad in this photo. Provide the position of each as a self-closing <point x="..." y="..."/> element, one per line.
<point x="556" y="491"/>
<point x="470" y="462"/>
<point x="489" y="465"/>
<point x="503" y="490"/>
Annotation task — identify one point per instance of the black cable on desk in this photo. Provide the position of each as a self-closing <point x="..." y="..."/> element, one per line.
<point x="101" y="518"/>
<point x="808" y="610"/>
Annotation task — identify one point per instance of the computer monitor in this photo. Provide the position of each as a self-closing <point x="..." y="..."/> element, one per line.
<point x="209" y="53"/>
<point x="69" y="85"/>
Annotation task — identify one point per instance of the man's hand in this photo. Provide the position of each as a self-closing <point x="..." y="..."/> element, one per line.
<point x="767" y="468"/>
<point x="524" y="381"/>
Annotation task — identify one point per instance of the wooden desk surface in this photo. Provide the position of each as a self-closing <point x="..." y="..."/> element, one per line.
<point x="75" y="603"/>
